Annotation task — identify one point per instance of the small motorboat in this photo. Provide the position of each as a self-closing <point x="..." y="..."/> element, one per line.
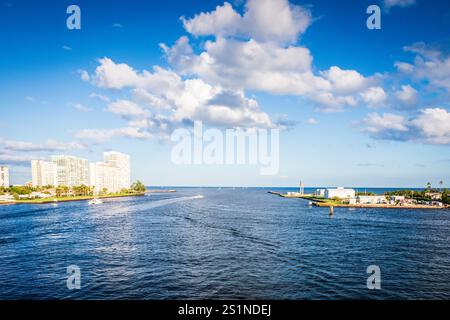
<point x="310" y="203"/>
<point x="55" y="203"/>
<point x="95" y="201"/>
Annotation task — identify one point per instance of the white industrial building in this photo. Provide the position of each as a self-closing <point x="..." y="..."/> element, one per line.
<point x="43" y="173"/>
<point x="4" y="177"/>
<point x="340" y="193"/>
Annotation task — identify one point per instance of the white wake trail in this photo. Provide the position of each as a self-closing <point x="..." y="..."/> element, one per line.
<point x="152" y="204"/>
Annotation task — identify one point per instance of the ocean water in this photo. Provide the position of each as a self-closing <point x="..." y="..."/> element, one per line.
<point x="230" y="244"/>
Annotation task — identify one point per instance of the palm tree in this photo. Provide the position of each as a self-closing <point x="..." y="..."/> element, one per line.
<point x="441" y="183"/>
<point x="138" y="186"/>
<point x="429" y="185"/>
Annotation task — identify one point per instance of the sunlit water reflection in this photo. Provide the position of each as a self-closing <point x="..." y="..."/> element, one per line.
<point x="233" y="243"/>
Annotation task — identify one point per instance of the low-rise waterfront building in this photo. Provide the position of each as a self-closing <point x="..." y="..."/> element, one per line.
<point x="35" y="195"/>
<point x="371" y="200"/>
<point x="6" y="198"/>
<point x="4" y="176"/>
<point x="40" y="195"/>
<point x="434" y="195"/>
<point x="397" y="198"/>
<point x="393" y="200"/>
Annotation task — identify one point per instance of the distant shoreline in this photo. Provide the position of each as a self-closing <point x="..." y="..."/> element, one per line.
<point x="377" y="206"/>
<point x="328" y="203"/>
<point x="160" y="191"/>
<point x="71" y="199"/>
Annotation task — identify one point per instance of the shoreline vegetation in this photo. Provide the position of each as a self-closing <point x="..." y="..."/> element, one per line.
<point x="50" y="194"/>
<point x="78" y="198"/>
<point x="323" y="202"/>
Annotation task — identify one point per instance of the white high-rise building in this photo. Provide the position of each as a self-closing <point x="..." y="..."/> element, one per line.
<point x="71" y="171"/>
<point x="4" y="176"/>
<point x="122" y="162"/>
<point x="43" y="173"/>
<point x="104" y="176"/>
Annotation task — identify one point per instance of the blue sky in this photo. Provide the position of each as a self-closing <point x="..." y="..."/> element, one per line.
<point x="364" y="107"/>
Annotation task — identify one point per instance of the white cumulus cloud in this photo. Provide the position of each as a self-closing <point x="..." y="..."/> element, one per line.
<point x="398" y="3"/>
<point x="407" y="95"/>
<point x="431" y="125"/>
<point x="257" y="22"/>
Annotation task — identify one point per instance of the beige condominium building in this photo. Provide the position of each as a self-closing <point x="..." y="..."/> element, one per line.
<point x="71" y="171"/>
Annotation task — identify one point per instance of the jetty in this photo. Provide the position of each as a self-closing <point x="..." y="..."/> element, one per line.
<point x="324" y="202"/>
<point x="160" y="191"/>
<point x="294" y="195"/>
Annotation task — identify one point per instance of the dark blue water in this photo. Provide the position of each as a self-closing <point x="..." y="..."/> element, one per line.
<point x="233" y="243"/>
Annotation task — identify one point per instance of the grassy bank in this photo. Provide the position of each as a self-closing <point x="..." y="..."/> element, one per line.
<point x="382" y="206"/>
<point x="323" y="202"/>
<point x="315" y="199"/>
<point x="78" y="198"/>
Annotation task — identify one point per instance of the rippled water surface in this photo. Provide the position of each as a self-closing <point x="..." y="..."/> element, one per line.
<point x="233" y="243"/>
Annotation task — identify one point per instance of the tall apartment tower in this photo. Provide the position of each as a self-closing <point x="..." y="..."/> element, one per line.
<point x="122" y="162"/>
<point x="104" y="176"/>
<point x="71" y="171"/>
<point x="4" y="176"/>
<point x="43" y="173"/>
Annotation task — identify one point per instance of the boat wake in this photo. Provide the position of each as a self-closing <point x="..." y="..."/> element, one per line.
<point x="154" y="204"/>
<point x="165" y="202"/>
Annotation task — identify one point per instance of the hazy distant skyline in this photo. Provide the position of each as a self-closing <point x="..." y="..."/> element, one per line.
<point x="356" y="107"/>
